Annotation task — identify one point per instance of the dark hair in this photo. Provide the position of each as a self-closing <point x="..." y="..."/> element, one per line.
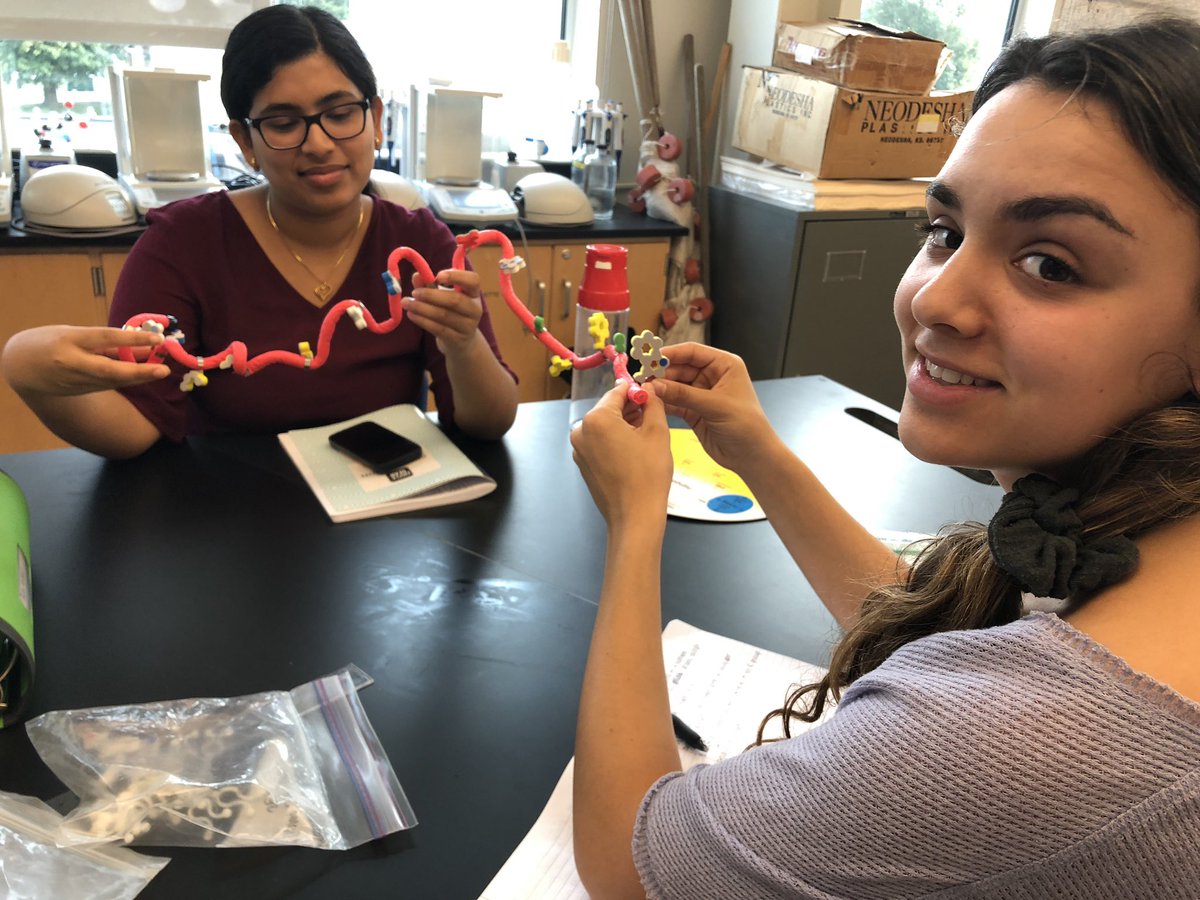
<point x="1148" y="472"/>
<point x="1148" y="73"/>
<point x="277" y="35"/>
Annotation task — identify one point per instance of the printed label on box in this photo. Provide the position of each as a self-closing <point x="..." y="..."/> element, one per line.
<point x="884" y="114"/>
<point x="834" y="132"/>
<point x="787" y="103"/>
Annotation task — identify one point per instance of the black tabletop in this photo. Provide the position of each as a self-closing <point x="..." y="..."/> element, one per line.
<point x="209" y="570"/>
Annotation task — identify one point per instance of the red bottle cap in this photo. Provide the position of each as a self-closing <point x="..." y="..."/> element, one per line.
<point x="605" y="281"/>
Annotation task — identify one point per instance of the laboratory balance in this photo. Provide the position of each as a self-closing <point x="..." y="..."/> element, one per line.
<point x="161" y="154"/>
<point x="453" y="183"/>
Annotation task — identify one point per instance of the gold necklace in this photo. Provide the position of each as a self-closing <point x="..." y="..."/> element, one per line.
<point x="323" y="288"/>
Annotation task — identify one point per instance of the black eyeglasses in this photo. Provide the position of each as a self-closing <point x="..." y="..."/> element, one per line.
<point x="341" y="123"/>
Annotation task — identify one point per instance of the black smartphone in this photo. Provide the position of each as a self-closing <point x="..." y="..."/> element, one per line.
<point x="375" y="446"/>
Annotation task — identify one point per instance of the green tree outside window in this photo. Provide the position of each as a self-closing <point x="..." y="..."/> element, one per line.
<point x="936" y="19"/>
<point x="56" y="64"/>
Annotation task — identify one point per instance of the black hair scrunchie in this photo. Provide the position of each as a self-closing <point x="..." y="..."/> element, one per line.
<point x="1036" y="537"/>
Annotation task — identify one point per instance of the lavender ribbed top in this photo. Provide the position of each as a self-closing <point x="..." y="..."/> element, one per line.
<point x="1023" y="761"/>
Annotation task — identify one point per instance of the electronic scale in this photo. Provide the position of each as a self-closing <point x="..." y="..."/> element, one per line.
<point x="453" y="170"/>
<point x="478" y="203"/>
<point x="161" y="155"/>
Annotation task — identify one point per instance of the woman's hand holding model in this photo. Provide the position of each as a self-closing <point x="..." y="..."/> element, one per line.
<point x="710" y="390"/>
<point x="68" y="375"/>
<point x="451" y="310"/>
<point x="624" y="453"/>
<point x="69" y="360"/>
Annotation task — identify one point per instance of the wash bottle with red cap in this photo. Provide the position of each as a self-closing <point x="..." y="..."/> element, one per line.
<point x="603" y="292"/>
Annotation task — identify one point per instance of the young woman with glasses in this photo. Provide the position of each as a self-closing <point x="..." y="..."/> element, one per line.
<point x="263" y="266"/>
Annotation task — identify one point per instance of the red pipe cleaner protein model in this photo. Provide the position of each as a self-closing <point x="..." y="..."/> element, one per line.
<point x="647" y="345"/>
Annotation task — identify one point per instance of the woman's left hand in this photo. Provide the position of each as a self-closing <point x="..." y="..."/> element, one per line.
<point x="452" y="316"/>
<point x="624" y="453"/>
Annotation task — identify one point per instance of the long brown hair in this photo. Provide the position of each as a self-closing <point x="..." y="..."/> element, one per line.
<point x="1142" y="476"/>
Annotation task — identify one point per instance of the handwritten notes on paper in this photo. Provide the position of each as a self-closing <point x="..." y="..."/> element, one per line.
<point x="721" y="687"/>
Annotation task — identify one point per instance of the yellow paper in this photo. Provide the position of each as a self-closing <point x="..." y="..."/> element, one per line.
<point x="702" y="489"/>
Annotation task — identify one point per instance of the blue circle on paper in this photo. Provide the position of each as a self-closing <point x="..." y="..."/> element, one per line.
<point x="730" y="504"/>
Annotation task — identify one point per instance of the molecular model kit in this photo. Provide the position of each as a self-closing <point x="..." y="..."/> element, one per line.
<point x="646" y="348"/>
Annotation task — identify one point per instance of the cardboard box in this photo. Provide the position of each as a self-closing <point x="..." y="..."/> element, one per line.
<point x="835" y="132"/>
<point x="860" y="55"/>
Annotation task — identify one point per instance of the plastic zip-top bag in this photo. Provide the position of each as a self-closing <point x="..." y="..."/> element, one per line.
<point x="301" y="767"/>
<point x="33" y="866"/>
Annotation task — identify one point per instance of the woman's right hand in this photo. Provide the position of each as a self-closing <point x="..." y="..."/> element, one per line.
<point x="68" y="360"/>
<point x="624" y="454"/>
<point x="710" y="389"/>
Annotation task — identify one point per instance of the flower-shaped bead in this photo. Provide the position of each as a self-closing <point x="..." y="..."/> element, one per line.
<point x="598" y="329"/>
<point x="647" y="349"/>
<point x="512" y="265"/>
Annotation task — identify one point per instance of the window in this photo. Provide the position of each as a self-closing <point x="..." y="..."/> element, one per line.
<point x="490" y="47"/>
<point x="974" y="31"/>
<point x="479" y="45"/>
<point x="63" y="87"/>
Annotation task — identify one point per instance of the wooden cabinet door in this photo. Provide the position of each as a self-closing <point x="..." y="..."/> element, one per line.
<point x="42" y="289"/>
<point x="110" y="268"/>
<point x="567" y="264"/>
<point x="522" y="352"/>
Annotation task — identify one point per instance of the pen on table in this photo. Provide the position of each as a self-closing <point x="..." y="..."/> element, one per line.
<point x="686" y="735"/>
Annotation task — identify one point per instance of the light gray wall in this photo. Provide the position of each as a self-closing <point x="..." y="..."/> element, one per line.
<point x="706" y="20"/>
<point x="749" y="27"/>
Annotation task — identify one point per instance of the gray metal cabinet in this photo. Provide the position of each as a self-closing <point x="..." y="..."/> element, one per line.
<point x="810" y="293"/>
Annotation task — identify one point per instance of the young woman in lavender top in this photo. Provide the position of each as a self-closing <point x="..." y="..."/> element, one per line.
<point x="1050" y="333"/>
